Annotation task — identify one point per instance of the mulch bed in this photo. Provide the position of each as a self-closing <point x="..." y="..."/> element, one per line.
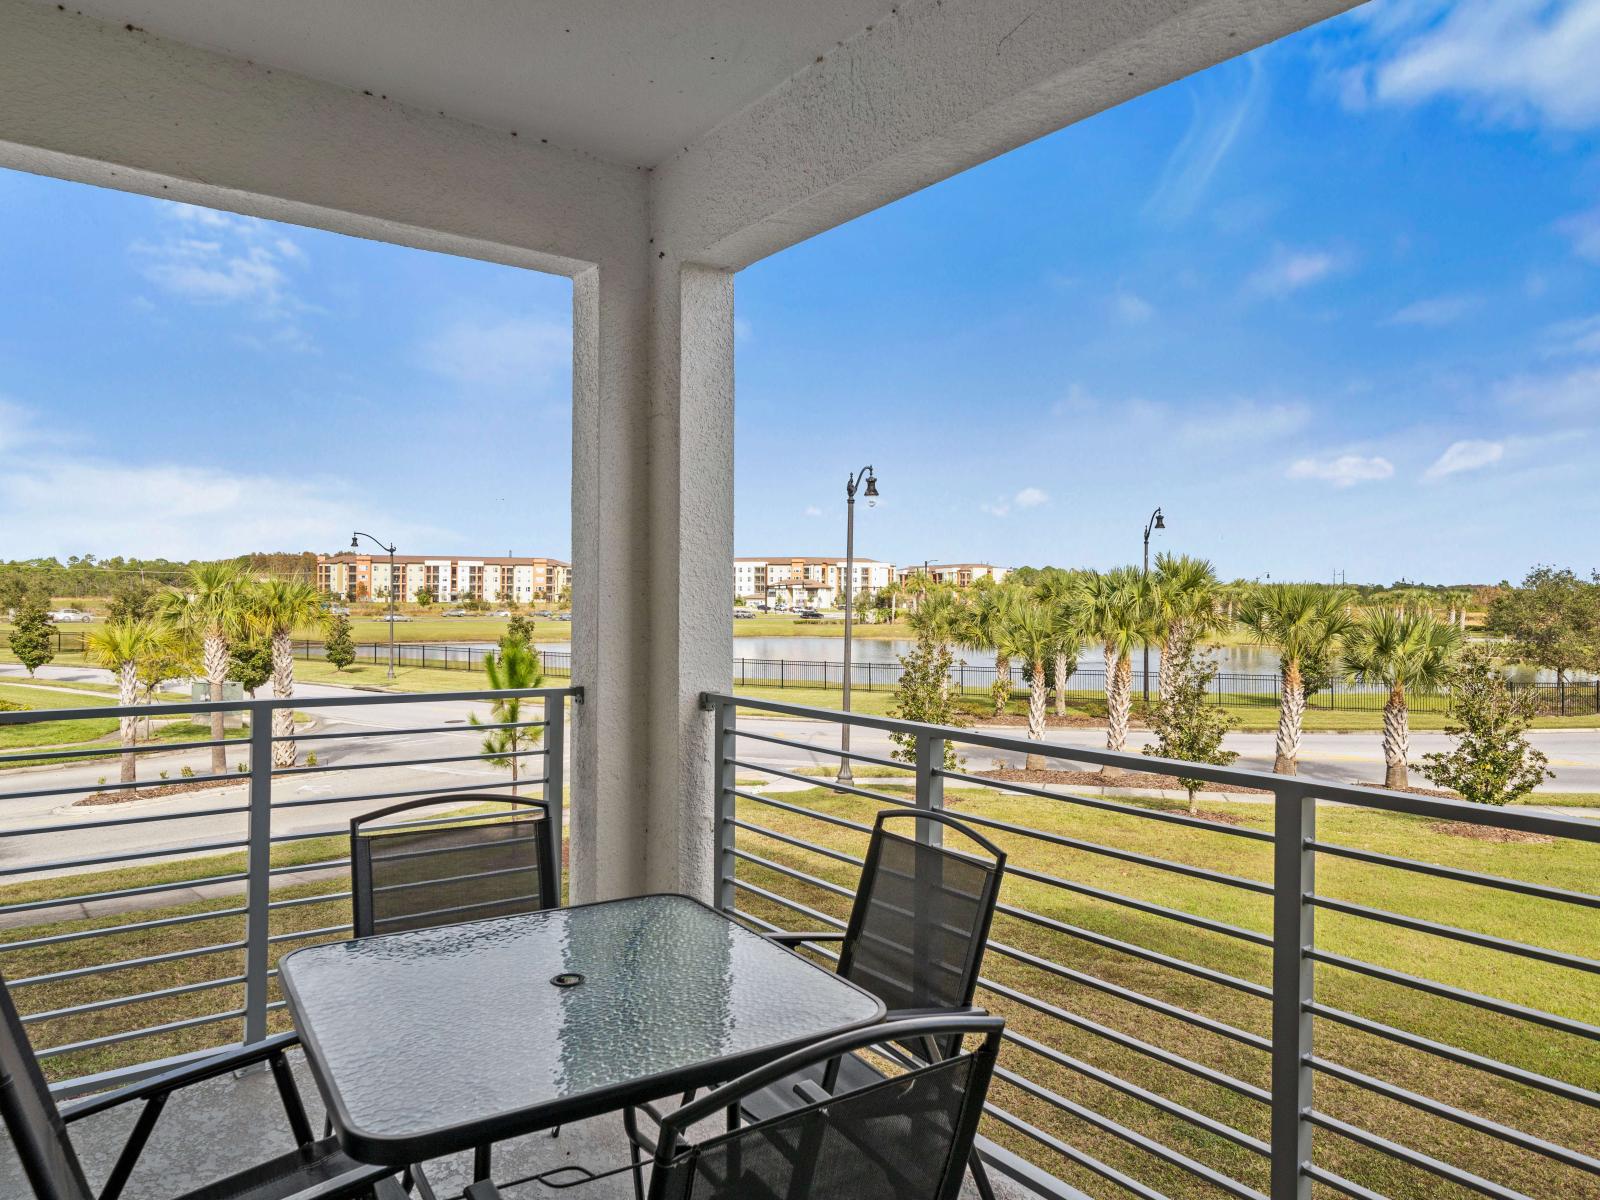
<point x="1121" y="779"/>
<point x="1488" y="833"/>
<point x="125" y="795"/>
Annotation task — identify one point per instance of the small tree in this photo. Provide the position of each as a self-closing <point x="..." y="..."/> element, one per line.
<point x="131" y="600"/>
<point x="515" y="666"/>
<point x="924" y="695"/>
<point x="338" y="647"/>
<point x="33" y="638"/>
<point x="1491" y="762"/>
<point x="250" y="665"/>
<point x="425" y="597"/>
<point x="520" y="629"/>
<point x="1187" y="726"/>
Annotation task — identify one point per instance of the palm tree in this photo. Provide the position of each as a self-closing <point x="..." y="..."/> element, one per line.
<point x="1305" y="623"/>
<point x="1400" y="649"/>
<point x="274" y="610"/>
<point x="123" y="647"/>
<point x="1030" y="633"/>
<point x="938" y="617"/>
<point x="988" y="613"/>
<point x="1117" y="613"/>
<point x="212" y="611"/>
<point x="516" y="666"/>
<point x="1062" y="592"/>
<point x="1187" y="606"/>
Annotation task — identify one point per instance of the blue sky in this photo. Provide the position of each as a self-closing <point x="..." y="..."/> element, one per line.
<point x="1334" y="306"/>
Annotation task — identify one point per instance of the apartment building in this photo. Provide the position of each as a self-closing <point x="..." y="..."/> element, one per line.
<point x="960" y="574"/>
<point x="804" y="582"/>
<point x="450" y="580"/>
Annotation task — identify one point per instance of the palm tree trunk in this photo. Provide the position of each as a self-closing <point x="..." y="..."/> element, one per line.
<point x="128" y="727"/>
<point x="284" y="754"/>
<point x="1396" y="740"/>
<point x="1291" y="717"/>
<point x="1061" y="683"/>
<point x="1036" y="689"/>
<point x="216" y="669"/>
<point x="1119" y="703"/>
<point x="1169" y="654"/>
<point x="1001" y="692"/>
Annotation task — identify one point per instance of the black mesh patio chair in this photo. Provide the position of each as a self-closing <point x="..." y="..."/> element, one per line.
<point x="313" y="1170"/>
<point x="417" y="874"/>
<point x="915" y="939"/>
<point x="901" y="1136"/>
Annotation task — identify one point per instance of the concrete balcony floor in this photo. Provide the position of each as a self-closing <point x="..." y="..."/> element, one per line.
<point x="225" y="1124"/>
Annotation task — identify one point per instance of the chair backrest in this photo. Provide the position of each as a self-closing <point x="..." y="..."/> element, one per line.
<point x="31" y="1115"/>
<point x="922" y="913"/>
<point x="442" y="870"/>
<point x="906" y="1137"/>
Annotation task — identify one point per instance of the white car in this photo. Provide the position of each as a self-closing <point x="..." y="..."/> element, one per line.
<point x="68" y="615"/>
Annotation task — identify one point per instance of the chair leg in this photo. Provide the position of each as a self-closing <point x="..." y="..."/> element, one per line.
<point x="481" y="1162"/>
<point x="980" y="1176"/>
<point x="630" y="1124"/>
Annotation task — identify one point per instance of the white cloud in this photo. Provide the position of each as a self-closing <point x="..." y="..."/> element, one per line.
<point x="1470" y="455"/>
<point x="1223" y="101"/>
<point x="1346" y="470"/>
<point x="507" y="351"/>
<point x="813" y="511"/>
<point x="1132" y="308"/>
<point x="1290" y="270"/>
<point x="742" y="333"/>
<point x="1030" y="497"/>
<point x="1584" y="231"/>
<point x="1435" y="311"/>
<point x="1244" y="420"/>
<point x="1512" y="60"/>
<point x="1572" y="393"/>
<point x="1580" y="335"/>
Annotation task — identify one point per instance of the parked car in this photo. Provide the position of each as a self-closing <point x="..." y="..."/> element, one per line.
<point x="69" y="615"/>
<point x="743" y="614"/>
<point x="504" y="612"/>
<point x="454" y="612"/>
<point x="809" y="614"/>
<point x="563" y="616"/>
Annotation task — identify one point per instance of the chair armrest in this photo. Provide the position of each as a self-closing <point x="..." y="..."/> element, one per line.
<point x="798" y="939"/>
<point x="220" y="1063"/>
<point x="912" y="1014"/>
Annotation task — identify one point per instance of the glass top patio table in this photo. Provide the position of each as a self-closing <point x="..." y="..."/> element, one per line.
<point x="437" y="1040"/>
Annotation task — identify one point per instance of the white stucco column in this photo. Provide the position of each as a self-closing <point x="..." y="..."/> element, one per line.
<point x="652" y="507"/>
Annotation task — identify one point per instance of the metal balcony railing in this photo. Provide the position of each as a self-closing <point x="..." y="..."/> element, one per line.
<point x="166" y="949"/>
<point x="1333" y="990"/>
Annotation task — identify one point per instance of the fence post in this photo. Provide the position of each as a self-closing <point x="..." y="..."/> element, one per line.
<point x="555" y="776"/>
<point x="722" y="808"/>
<point x="1561" y="693"/>
<point x="258" y="878"/>
<point x="930" y="787"/>
<point x="780" y="673"/>
<point x="1293" y="933"/>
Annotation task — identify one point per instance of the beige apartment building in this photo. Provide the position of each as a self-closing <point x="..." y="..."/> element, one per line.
<point x="451" y="580"/>
<point x="960" y="574"/>
<point x="804" y="582"/>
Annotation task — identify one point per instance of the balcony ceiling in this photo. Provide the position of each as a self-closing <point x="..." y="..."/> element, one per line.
<point x="630" y="81"/>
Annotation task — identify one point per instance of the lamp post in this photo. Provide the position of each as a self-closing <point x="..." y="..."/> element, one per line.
<point x="1156" y="521"/>
<point x="390" y="548"/>
<point x="845" y="774"/>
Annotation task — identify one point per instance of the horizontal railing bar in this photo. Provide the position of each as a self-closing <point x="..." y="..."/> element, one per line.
<point x="303" y="901"/>
<point x="1143" y="860"/>
<point x="822" y="781"/>
<point x="184" y="708"/>
<point x="832" y="751"/>
<point x="407" y="731"/>
<point x="126" y="964"/>
<point x="1340" y="1183"/>
<point x="299" y="934"/>
<point x="182" y="989"/>
<point x="1455" y="934"/>
<point x="112" y="1039"/>
<point x="1171" y="1107"/>
<point x="1129" y="810"/>
<point x="135" y="785"/>
<point x="1209" y="1024"/>
<point x="1134" y="1138"/>
<point x="1278" y="785"/>
<point x="1414" y="1158"/>
<point x="801" y="876"/>
<point x="1150" y="956"/>
<point x="1455" y="1054"/>
<point x="325" y="864"/>
<point x="113" y="822"/>
<point x="1460" y="876"/>
<point x="1505" y="1008"/>
<point x="829" y="818"/>
<point x="451" y="880"/>
<point x="1516" y="1137"/>
<point x="1144" y="906"/>
<point x="175" y="885"/>
<point x="323" y="768"/>
<point x="368" y="797"/>
<point x="763" y="831"/>
<point x="378" y="834"/>
<point x="63" y="864"/>
<point x="1128" y="1041"/>
<point x="450" y="910"/>
<point x="786" y="902"/>
<point x="1071" y="1153"/>
<point x="81" y="935"/>
<point x="116" y="750"/>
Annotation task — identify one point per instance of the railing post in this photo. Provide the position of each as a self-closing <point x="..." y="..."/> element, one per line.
<point x="1293" y="933"/>
<point x="258" y="878"/>
<point x="722" y="807"/>
<point x="930" y="787"/>
<point x="555" y="775"/>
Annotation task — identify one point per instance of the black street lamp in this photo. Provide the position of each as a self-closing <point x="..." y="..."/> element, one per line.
<point x="845" y="774"/>
<point x="390" y="548"/>
<point x="1156" y="521"/>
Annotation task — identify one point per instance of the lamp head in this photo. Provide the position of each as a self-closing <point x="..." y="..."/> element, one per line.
<point x="1161" y="522"/>
<point x="354" y="544"/>
<point x="872" y="489"/>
